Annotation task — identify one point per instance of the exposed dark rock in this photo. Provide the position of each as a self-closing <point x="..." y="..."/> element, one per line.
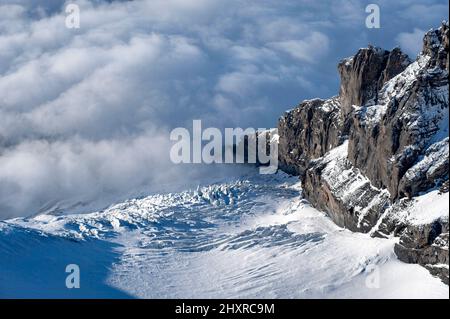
<point x="394" y="114"/>
<point x="308" y="132"/>
<point x="436" y="45"/>
<point x="430" y="170"/>
<point x="333" y="185"/>
<point x="426" y="245"/>
<point x="395" y="131"/>
<point x="363" y="75"/>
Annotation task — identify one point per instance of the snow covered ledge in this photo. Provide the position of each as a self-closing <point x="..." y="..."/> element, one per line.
<point x="335" y="186"/>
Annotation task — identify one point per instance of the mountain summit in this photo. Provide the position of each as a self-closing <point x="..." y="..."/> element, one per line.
<point x="376" y="154"/>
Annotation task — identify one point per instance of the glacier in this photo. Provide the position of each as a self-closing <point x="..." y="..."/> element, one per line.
<point x="241" y="236"/>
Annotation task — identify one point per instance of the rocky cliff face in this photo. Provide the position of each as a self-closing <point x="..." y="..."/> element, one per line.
<point x="367" y="155"/>
<point x="308" y="132"/>
<point x="406" y="123"/>
<point x="426" y="245"/>
<point x="334" y="185"/>
<point x="363" y="75"/>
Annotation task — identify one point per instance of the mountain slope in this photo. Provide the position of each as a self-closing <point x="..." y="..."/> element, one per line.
<point x="379" y="145"/>
<point x="251" y="237"/>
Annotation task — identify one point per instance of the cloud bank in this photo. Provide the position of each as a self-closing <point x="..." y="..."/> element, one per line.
<point x="85" y="114"/>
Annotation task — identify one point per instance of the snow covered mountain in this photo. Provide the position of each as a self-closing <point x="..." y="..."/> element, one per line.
<point x="251" y="236"/>
<point x="373" y="155"/>
<point x="371" y="208"/>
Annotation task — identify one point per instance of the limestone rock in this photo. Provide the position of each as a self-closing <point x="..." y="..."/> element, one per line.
<point x="365" y="155"/>
<point x="308" y="132"/>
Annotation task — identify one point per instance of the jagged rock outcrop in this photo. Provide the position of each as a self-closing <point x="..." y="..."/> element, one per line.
<point x="364" y="155"/>
<point x="436" y="45"/>
<point x="317" y="125"/>
<point x="363" y="75"/>
<point x="422" y="223"/>
<point x="396" y="130"/>
<point x="308" y="132"/>
<point x="334" y="185"/>
<point x="426" y="245"/>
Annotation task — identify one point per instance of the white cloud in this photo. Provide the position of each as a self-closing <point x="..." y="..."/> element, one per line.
<point x="85" y="113"/>
<point x="429" y="13"/>
<point x="40" y="174"/>
<point x="411" y="42"/>
<point x="309" y="49"/>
